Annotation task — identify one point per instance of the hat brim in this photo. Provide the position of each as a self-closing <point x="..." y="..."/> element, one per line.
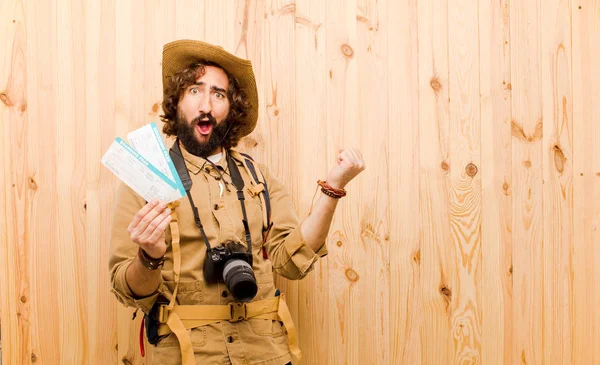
<point x="182" y="53"/>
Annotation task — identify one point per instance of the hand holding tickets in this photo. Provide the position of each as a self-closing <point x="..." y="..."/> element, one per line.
<point x="145" y="166"/>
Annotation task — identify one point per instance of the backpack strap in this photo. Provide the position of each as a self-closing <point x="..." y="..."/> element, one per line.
<point x="248" y="162"/>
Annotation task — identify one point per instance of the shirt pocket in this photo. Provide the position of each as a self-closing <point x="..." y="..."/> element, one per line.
<point x="265" y="327"/>
<point x="197" y="336"/>
<point x="188" y="292"/>
<point x="254" y="213"/>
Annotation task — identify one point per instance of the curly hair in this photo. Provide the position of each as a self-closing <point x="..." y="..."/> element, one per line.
<point x="239" y="105"/>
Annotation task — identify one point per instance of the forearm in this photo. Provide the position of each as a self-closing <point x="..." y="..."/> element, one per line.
<point x="316" y="226"/>
<point x="141" y="280"/>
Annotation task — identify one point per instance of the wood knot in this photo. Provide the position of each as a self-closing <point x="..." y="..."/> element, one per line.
<point x="510" y="270"/>
<point x="471" y="169"/>
<point x="597" y="174"/>
<point x="446" y="292"/>
<point x="126" y="361"/>
<point x="23" y="299"/>
<point x="445" y="166"/>
<point x="250" y="142"/>
<point x="338" y="243"/>
<point x="155" y="107"/>
<point x="352" y="275"/>
<point x="5" y="99"/>
<point x="435" y="84"/>
<point x="32" y="184"/>
<point x="559" y="159"/>
<point x="505" y="187"/>
<point x="331" y="74"/>
<point x="33" y="357"/>
<point x="527" y="164"/>
<point x="347" y="50"/>
<point x="84" y="206"/>
<point x="508" y="86"/>
<point x="417" y="257"/>
<point x="273" y="110"/>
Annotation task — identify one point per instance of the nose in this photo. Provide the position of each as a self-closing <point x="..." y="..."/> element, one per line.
<point x="205" y="106"/>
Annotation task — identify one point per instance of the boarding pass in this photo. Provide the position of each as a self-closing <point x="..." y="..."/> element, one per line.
<point x="145" y="165"/>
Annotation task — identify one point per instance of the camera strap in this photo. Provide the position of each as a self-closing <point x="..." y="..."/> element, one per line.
<point x="236" y="179"/>
<point x="184" y="175"/>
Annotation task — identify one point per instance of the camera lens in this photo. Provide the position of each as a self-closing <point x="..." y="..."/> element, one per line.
<point x="239" y="278"/>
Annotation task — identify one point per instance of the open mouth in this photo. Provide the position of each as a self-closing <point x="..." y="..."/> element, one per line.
<point x="204" y="127"/>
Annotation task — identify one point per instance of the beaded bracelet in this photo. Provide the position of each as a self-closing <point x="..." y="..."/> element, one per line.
<point x="331" y="191"/>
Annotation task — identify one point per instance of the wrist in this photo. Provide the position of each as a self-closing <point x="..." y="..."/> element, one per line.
<point x="150" y="262"/>
<point x="332" y="191"/>
<point x="336" y="184"/>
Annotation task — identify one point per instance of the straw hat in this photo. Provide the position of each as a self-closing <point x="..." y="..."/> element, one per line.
<point x="180" y="54"/>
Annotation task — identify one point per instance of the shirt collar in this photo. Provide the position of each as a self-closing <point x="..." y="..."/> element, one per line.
<point x="194" y="163"/>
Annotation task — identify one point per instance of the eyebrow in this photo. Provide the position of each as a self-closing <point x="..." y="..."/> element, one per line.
<point x="213" y="88"/>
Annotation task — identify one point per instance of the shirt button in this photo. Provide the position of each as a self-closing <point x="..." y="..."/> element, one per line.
<point x="206" y="169"/>
<point x="216" y="207"/>
<point x="229" y="339"/>
<point x="224" y="294"/>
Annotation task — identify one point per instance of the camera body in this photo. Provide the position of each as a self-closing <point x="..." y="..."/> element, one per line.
<point x="230" y="263"/>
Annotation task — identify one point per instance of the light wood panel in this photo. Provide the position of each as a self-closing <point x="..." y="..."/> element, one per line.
<point x="496" y="183"/>
<point x="471" y="238"/>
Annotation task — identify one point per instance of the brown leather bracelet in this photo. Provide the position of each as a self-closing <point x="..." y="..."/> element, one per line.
<point x="331" y="191"/>
<point x="149" y="262"/>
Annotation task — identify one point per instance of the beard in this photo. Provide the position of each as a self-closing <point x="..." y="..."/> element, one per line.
<point x="187" y="136"/>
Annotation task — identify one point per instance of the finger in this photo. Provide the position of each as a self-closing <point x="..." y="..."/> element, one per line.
<point x="348" y="157"/>
<point x="355" y="155"/>
<point x="140" y="214"/>
<point x="160" y="229"/>
<point x="152" y="226"/>
<point x="140" y="228"/>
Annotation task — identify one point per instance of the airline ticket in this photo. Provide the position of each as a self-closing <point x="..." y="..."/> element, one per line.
<point x="147" y="168"/>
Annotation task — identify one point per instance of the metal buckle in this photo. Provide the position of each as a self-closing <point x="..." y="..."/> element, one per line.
<point x="237" y="312"/>
<point x="163" y="313"/>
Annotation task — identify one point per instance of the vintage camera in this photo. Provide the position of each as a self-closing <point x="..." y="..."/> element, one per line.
<point x="231" y="263"/>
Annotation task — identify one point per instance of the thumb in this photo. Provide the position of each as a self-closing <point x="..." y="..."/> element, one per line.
<point x="338" y="153"/>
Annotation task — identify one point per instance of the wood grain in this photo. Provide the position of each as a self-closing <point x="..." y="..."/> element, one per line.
<point x="438" y="272"/>
<point x="496" y="183"/>
<point x="311" y="134"/>
<point x="557" y="151"/>
<point x="527" y="194"/>
<point x="402" y="71"/>
<point x="471" y="238"/>
<point x="345" y="276"/>
<point x="371" y="191"/>
<point x="586" y="182"/>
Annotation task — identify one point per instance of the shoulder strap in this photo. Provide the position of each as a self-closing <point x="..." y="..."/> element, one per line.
<point x="249" y="162"/>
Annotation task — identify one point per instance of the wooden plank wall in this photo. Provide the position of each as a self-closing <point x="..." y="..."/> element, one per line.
<point x="472" y="237"/>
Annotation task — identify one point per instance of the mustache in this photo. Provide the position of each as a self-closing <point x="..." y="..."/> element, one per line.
<point x="199" y="119"/>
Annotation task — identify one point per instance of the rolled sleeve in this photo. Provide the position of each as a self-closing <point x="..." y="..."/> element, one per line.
<point x="124" y="294"/>
<point x="292" y="258"/>
<point x="123" y="251"/>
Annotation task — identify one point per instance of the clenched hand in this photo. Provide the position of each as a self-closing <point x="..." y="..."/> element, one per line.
<point x="147" y="228"/>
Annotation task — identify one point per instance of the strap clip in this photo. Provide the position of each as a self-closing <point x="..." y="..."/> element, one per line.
<point x="237" y="312"/>
<point x="163" y="313"/>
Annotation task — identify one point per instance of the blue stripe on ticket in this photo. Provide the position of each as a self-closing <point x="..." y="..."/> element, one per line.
<point x="146" y="163"/>
<point x="167" y="157"/>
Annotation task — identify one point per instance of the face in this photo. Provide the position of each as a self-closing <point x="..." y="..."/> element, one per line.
<point x="202" y="112"/>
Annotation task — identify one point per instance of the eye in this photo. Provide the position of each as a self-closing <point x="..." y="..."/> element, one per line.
<point x="194" y="90"/>
<point x="219" y="95"/>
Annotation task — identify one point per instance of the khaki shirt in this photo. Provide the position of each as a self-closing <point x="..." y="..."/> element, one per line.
<point x="255" y="341"/>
